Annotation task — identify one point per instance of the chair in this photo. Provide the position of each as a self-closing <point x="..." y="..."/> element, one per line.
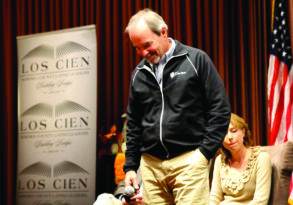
<point x="282" y="161"/>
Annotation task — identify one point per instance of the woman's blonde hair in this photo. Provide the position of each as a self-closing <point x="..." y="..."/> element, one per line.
<point x="239" y="123"/>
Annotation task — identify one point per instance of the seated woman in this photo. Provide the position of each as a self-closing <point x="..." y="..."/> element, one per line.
<point x="242" y="173"/>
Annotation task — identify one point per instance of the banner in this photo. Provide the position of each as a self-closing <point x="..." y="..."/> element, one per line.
<point x="57" y="106"/>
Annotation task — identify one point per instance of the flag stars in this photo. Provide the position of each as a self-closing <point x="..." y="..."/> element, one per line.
<point x="283" y="22"/>
<point x="280" y="42"/>
<point x="284" y="54"/>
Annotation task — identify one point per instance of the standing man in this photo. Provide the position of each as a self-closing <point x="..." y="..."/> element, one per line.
<point x="178" y="114"/>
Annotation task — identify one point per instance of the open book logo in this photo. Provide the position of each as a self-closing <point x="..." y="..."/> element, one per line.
<point x="59" y="169"/>
<point x="47" y="110"/>
<point x="48" y="51"/>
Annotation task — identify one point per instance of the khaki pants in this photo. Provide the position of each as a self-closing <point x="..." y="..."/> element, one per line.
<point x="182" y="180"/>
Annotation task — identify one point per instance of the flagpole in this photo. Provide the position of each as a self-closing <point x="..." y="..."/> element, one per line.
<point x="272" y="14"/>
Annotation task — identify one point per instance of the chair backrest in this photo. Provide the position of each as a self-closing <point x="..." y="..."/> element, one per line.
<point x="282" y="163"/>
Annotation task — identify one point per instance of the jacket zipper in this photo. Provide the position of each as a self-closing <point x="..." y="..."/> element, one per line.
<point x="163" y="102"/>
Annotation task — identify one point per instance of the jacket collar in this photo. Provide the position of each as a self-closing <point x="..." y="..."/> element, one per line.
<point x="179" y="49"/>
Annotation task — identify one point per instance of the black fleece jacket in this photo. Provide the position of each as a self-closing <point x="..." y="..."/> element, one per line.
<point x="190" y="111"/>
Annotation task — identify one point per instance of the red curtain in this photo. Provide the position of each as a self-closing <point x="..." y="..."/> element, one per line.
<point x="234" y="33"/>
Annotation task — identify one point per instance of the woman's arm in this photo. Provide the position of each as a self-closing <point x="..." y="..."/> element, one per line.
<point x="263" y="180"/>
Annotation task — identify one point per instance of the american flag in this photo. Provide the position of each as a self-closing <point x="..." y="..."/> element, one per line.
<point x="280" y="78"/>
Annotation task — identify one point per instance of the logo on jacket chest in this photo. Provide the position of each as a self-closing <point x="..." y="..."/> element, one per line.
<point x="173" y="74"/>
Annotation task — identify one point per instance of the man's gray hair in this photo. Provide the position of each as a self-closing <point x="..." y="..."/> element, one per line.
<point x="153" y="20"/>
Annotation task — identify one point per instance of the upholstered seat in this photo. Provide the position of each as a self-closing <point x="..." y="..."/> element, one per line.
<point x="282" y="162"/>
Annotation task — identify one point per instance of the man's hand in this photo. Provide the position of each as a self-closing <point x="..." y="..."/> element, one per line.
<point x="135" y="200"/>
<point x="131" y="179"/>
